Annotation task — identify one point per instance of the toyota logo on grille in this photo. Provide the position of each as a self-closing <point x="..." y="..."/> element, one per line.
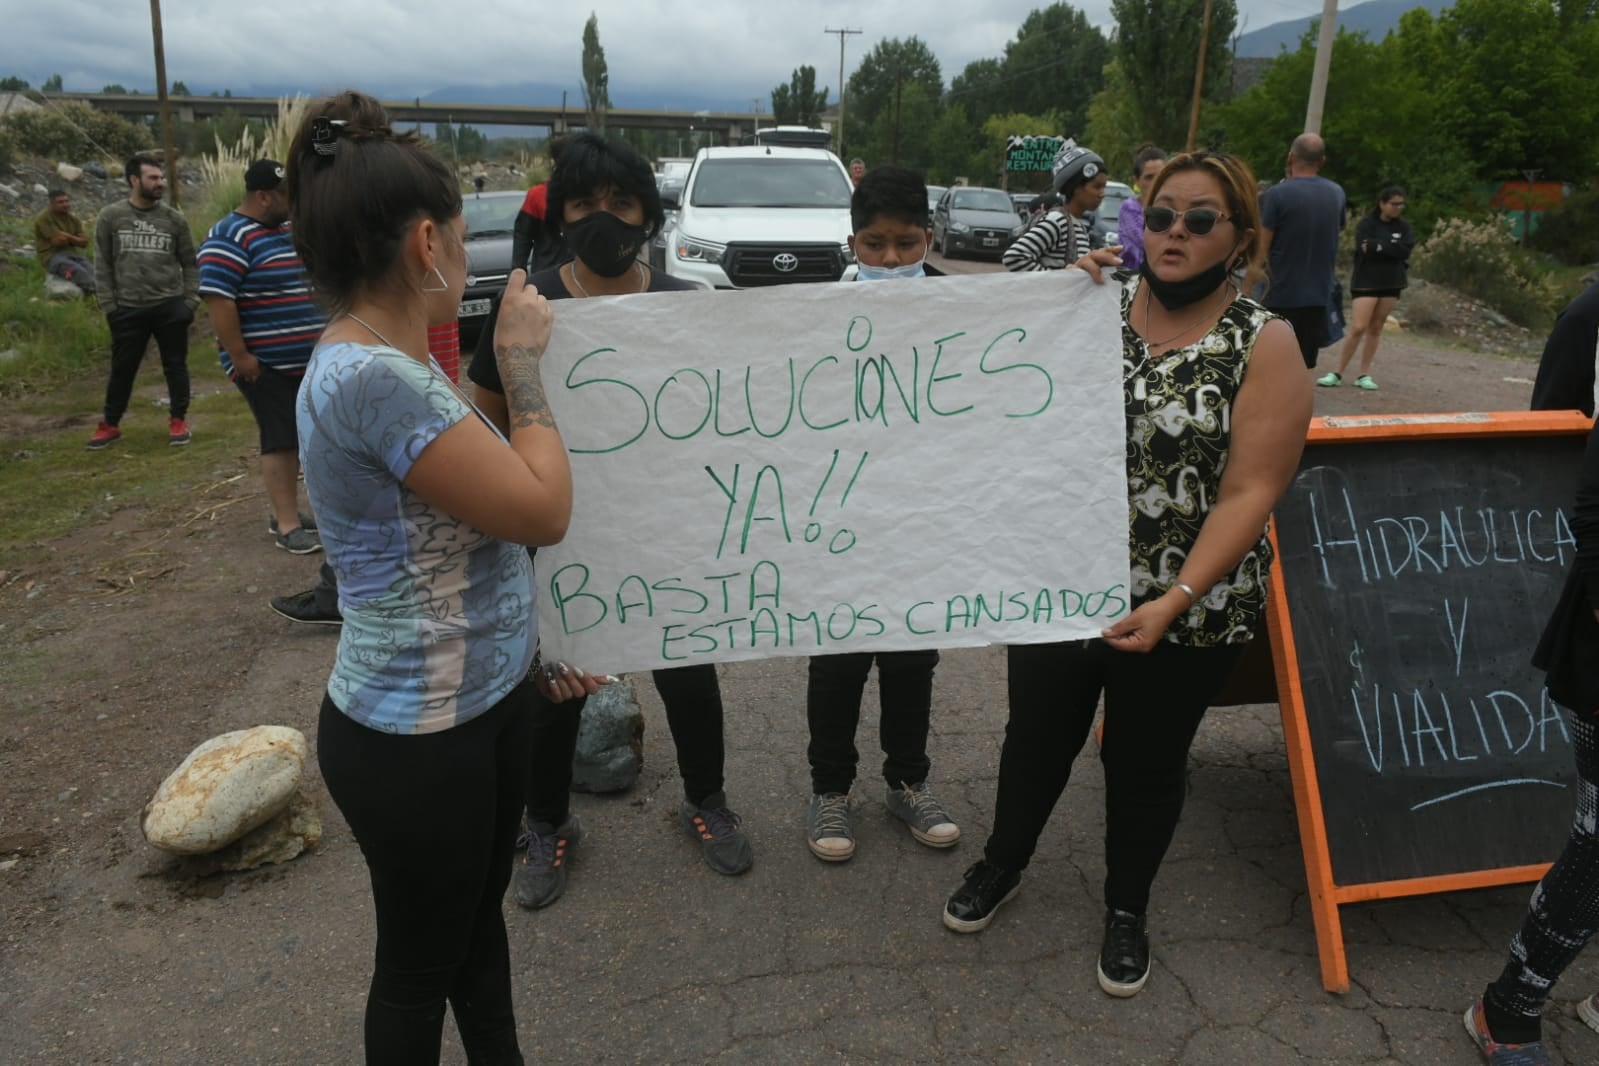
<point x="786" y="262"/>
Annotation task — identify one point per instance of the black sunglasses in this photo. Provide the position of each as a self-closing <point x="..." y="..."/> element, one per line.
<point x="1197" y="220"/>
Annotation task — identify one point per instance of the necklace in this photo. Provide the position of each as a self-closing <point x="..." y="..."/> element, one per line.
<point x="1150" y="343"/>
<point x="584" y="292"/>
<point x="358" y="319"/>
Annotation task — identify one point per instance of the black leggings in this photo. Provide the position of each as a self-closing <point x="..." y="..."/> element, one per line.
<point x="1564" y="910"/>
<point x="436" y="816"/>
<point x="131" y="330"/>
<point x="833" y="710"/>
<point x="693" y="699"/>
<point x="1153" y="706"/>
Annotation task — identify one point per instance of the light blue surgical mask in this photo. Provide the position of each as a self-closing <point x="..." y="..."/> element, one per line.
<point x="877" y="273"/>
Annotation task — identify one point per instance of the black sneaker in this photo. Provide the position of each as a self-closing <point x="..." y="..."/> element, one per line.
<point x="306" y="607"/>
<point x="972" y="906"/>
<point x="724" y="845"/>
<point x="1124" y="956"/>
<point x="540" y="877"/>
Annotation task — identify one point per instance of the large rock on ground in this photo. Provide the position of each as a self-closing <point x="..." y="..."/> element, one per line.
<point x="610" y="741"/>
<point x="227" y="786"/>
<point x="294" y="829"/>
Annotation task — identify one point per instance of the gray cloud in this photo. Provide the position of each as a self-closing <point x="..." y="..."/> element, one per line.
<point x="733" y="48"/>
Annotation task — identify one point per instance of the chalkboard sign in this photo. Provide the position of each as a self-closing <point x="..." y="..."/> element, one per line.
<point x="1418" y="559"/>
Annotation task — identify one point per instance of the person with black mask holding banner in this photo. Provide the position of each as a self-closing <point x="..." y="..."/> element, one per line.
<point x="1217" y="409"/>
<point x="604" y="203"/>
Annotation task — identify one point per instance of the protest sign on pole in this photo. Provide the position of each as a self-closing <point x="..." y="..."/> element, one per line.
<point x="812" y="469"/>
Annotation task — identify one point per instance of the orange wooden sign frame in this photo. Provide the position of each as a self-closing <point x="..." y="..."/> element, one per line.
<point x="1326" y="896"/>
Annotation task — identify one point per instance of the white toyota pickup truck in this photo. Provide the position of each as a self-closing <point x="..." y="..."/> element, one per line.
<point x="762" y="215"/>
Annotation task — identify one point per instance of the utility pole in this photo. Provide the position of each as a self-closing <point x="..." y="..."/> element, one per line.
<point x="1318" y="77"/>
<point x="166" y="105"/>
<point x="1199" y="79"/>
<point x="842" y="34"/>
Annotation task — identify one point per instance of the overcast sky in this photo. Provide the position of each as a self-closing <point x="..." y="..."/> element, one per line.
<point x="736" y="48"/>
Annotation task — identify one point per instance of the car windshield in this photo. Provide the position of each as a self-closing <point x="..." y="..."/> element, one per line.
<point x="982" y="200"/>
<point x="490" y="216"/>
<point x="934" y="194"/>
<point x="770" y="182"/>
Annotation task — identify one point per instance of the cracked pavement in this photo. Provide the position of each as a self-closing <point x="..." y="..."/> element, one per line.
<point x="652" y="957"/>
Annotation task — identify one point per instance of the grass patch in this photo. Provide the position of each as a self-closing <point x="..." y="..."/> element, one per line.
<point x="51" y="485"/>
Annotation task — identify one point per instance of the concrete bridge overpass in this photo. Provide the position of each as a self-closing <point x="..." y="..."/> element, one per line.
<point x="733" y="125"/>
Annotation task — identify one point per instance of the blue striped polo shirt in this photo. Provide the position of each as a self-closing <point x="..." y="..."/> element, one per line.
<point x="257" y="268"/>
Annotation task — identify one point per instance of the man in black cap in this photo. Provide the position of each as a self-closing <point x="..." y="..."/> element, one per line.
<point x="266" y="325"/>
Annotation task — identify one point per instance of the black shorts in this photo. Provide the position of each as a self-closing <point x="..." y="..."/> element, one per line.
<point x="271" y="397"/>
<point x="1375" y="294"/>
<point x="1310" y="328"/>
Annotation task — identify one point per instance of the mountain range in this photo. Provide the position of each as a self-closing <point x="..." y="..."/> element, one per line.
<point x="1375" y="18"/>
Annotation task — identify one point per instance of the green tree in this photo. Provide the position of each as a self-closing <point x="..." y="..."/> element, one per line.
<point x="902" y="132"/>
<point x="1157" y="42"/>
<point x="1115" y="123"/>
<point x="13" y="84"/>
<point x="1382" y="124"/>
<point x="596" y="76"/>
<point x="1057" y="61"/>
<point x="1515" y="82"/>
<point x="52" y="84"/>
<point x="977" y="89"/>
<point x="880" y="81"/>
<point x="799" y="103"/>
<point x="116" y="87"/>
<point x="955" y="139"/>
<point x="179" y="89"/>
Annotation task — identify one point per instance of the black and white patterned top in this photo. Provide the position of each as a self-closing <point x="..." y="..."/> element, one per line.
<point x="1179" y="431"/>
<point x="1054" y="242"/>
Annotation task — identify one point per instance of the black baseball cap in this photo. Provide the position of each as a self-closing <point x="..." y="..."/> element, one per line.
<point x="264" y="175"/>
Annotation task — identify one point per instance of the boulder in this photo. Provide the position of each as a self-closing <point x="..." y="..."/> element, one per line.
<point x="8" y="192"/>
<point x="227" y="786"/>
<point x="610" y="741"/>
<point x="68" y="172"/>
<point x="40" y="189"/>
<point x="94" y="169"/>
<point x="295" y="829"/>
<point x="60" y="288"/>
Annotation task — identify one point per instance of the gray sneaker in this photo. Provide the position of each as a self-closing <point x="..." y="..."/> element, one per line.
<point x="298" y="542"/>
<point x="915" y="806"/>
<point x="540" y="878"/>
<point x="827" y="827"/>
<point x="716" y="827"/>
<point x="307" y="523"/>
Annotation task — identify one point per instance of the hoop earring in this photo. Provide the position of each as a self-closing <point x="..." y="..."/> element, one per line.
<point x="444" y="286"/>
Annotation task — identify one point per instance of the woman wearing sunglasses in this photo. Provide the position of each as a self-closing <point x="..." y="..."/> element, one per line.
<point x="1217" y="408"/>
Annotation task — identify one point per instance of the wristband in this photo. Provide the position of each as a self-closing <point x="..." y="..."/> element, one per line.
<point x="1188" y="590"/>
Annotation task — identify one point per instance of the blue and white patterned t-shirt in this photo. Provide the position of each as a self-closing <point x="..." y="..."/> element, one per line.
<point x="439" y="620"/>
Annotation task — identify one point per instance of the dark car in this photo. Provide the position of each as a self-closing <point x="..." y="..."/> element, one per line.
<point x="975" y="221"/>
<point x="934" y="194"/>
<point x="1022" y="201"/>
<point x="490" y="220"/>
<point x="1107" y="219"/>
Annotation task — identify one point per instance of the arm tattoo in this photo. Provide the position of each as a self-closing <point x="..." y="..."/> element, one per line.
<point x="524" y="389"/>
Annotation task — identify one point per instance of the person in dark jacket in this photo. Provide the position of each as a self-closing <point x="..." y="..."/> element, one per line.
<point x="1506" y="1022"/>
<point x="1570" y="363"/>
<point x="1383" y="243"/>
<point x="534" y="244"/>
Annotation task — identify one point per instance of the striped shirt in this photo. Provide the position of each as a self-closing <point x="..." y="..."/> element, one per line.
<point x="257" y="268"/>
<point x="1054" y="242"/>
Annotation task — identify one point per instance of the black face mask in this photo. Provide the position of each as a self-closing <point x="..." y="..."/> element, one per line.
<point x="1176" y="295"/>
<point x="606" y="245"/>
